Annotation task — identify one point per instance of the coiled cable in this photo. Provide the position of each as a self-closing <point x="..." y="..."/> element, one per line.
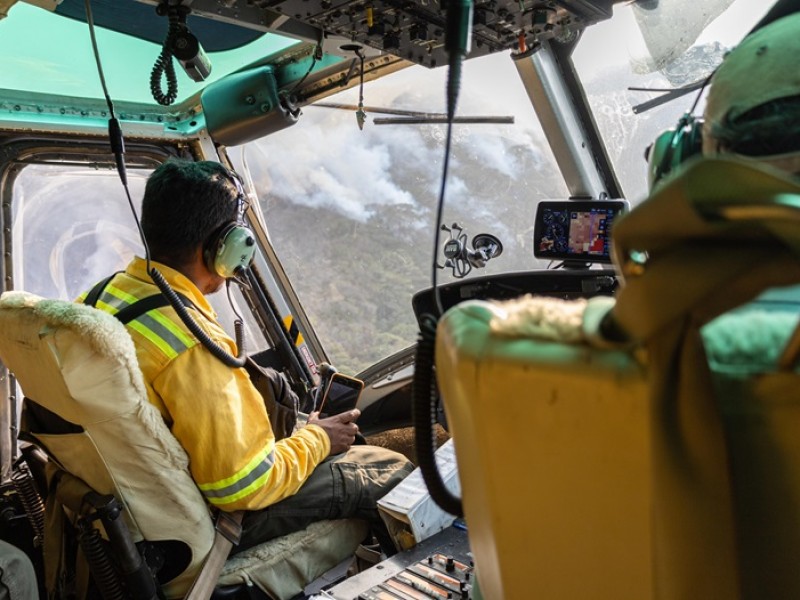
<point x="22" y="481"/>
<point x="105" y="577"/>
<point x="425" y="394"/>
<point x="212" y="346"/>
<point x="164" y="65"/>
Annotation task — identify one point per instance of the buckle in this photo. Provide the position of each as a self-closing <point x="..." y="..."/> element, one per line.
<point x="230" y="526"/>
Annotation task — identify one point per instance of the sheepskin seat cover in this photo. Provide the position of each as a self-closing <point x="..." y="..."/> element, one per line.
<point x="80" y="363"/>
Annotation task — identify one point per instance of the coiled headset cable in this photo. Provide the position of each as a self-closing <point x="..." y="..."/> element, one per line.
<point x="164" y="65"/>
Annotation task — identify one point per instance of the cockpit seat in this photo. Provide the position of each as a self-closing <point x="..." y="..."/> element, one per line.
<point x="644" y="446"/>
<point x="91" y="416"/>
<point x="553" y="451"/>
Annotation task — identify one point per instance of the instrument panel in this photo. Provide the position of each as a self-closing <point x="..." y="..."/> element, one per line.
<point x="411" y="29"/>
<point x="414" y="29"/>
<point x="567" y="284"/>
<point x="439" y="568"/>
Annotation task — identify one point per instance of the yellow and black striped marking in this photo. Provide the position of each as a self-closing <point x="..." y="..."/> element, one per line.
<point x="294" y="331"/>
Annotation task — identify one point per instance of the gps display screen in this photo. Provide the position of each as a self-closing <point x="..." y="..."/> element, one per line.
<point x="577" y="231"/>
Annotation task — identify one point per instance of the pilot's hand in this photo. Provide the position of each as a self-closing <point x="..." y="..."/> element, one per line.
<point x="341" y="428"/>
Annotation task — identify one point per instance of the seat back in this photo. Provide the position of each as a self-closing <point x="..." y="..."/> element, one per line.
<point x="553" y="453"/>
<point x="80" y="363"/>
<point x="723" y="384"/>
<point x="759" y="407"/>
<point x="667" y="467"/>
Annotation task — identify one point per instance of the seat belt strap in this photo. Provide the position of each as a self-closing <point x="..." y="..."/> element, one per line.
<point x="94" y="294"/>
<point x="228" y="531"/>
<point x="138" y="308"/>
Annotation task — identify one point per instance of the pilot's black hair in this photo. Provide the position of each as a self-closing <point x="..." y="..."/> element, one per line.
<point x="772" y="128"/>
<point x="185" y="203"/>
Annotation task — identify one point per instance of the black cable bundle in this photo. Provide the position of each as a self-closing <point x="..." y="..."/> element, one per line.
<point x="164" y="65"/>
<point x="213" y="347"/>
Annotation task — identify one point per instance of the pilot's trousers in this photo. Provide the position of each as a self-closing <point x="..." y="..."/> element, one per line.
<point x="343" y="486"/>
<point x="17" y="577"/>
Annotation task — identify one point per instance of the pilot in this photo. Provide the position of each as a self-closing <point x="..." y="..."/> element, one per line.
<point x="214" y="410"/>
<point x="753" y="104"/>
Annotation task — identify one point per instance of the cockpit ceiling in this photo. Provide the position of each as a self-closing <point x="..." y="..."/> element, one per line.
<point x="141" y="21"/>
<point x="57" y="69"/>
<point x="240" y="33"/>
<point x="414" y="29"/>
<point x="409" y="29"/>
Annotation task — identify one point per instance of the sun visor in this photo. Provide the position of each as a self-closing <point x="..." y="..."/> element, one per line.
<point x="246" y="106"/>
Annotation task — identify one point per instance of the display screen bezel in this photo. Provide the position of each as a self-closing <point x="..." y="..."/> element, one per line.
<point x="540" y="227"/>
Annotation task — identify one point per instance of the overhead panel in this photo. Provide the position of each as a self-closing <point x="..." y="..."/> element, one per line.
<point x="414" y="29"/>
<point x="410" y="29"/>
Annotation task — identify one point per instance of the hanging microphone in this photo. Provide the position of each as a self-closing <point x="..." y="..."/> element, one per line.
<point x="190" y="54"/>
<point x="457" y="42"/>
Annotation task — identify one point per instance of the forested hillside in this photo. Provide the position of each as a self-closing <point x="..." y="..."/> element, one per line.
<point x="353" y="221"/>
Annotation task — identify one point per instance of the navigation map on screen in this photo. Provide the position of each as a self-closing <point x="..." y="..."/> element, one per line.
<point x="575" y="232"/>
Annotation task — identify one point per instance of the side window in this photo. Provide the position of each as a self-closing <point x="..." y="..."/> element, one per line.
<point x="351" y="212"/>
<point x="72" y="226"/>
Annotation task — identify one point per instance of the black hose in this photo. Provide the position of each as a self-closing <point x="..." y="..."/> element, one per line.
<point x="31" y="501"/>
<point x="139" y="580"/>
<point x="105" y="577"/>
<point x="425" y="394"/>
<point x="212" y="346"/>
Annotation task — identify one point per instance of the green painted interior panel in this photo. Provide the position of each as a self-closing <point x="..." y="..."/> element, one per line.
<point x="47" y="54"/>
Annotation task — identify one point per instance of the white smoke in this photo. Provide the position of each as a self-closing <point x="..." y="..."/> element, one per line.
<point x="326" y="161"/>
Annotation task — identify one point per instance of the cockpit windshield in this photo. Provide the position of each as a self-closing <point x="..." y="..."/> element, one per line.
<point x="351" y="212"/>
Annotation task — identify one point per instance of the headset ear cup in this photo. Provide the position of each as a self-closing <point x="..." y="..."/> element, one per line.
<point x="232" y="250"/>
<point x="212" y="245"/>
<point x="674" y="147"/>
<point x="659" y="157"/>
<point x="693" y="140"/>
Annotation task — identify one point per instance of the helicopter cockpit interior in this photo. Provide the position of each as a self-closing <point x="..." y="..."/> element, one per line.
<point x="399" y="159"/>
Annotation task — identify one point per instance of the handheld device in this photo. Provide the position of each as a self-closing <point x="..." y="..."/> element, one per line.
<point x="341" y="394"/>
<point x="576" y="231"/>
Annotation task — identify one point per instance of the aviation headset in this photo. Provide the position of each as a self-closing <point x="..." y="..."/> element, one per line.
<point x="674" y="146"/>
<point x="231" y="248"/>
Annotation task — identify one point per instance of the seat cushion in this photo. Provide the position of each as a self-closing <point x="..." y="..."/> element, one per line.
<point x="282" y="567"/>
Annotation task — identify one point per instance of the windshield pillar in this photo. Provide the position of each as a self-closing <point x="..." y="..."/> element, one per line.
<point x="565" y="131"/>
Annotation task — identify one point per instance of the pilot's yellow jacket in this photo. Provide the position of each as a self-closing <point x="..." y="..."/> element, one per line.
<point x="212" y="409"/>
